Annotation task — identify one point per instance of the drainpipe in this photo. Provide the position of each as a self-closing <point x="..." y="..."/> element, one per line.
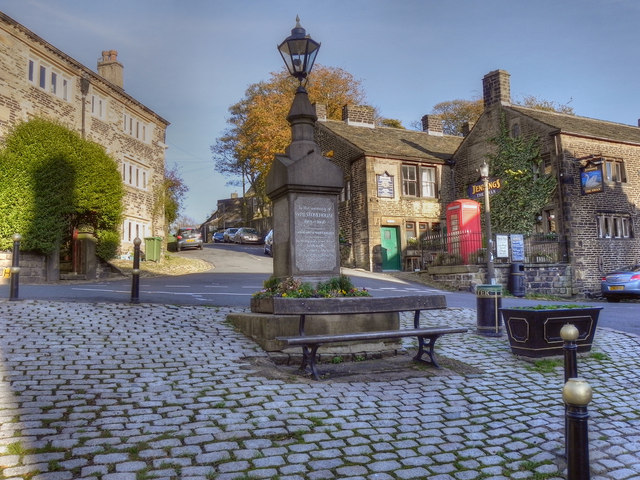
<point x="84" y="89"/>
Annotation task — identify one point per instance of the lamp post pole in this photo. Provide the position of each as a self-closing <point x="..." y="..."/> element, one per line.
<point x="484" y="173"/>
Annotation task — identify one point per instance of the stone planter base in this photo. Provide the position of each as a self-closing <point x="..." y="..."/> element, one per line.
<point x="263" y="328"/>
<point x="536" y="333"/>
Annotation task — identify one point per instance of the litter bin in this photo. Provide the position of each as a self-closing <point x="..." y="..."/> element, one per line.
<point x="488" y="303"/>
<point x="516" y="280"/>
<point x="152" y="248"/>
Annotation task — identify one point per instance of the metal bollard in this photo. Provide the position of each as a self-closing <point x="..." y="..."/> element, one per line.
<point x="577" y="394"/>
<point x="135" y="279"/>
<point x="14" y="286"/>
<point x="569" y="334"/>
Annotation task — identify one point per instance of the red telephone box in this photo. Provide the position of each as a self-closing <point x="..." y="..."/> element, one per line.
<point x="464" y="232"/>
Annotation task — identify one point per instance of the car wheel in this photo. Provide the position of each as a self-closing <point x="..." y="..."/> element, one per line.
<point x="200" y="247"/>
<point x="178" y="248"/>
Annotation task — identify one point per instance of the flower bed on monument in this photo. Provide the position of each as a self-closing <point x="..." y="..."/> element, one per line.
<point x="337" y="293"/>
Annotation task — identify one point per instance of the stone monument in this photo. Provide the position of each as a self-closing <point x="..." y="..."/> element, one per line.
<point x="304" y="187"/>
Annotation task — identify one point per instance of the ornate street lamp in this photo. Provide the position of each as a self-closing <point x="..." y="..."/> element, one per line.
<point x="484" y="174"/>
<point x="299" y="52"/>
<point x="302" y="185"/>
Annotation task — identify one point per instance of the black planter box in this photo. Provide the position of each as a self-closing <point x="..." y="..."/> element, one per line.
<point x="536" y="333"/>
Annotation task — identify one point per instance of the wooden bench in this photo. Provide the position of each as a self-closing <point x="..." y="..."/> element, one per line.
<point x="310" y="343"/>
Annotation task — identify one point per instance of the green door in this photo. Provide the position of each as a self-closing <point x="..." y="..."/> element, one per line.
<point x="390" y="250"/>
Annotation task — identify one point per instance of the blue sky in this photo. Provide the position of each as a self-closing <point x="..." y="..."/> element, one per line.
<point x="189" y="60"/>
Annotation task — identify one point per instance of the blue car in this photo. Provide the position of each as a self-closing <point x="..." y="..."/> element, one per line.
<point x="623" y="283"/>
<point x="218" y="237"/>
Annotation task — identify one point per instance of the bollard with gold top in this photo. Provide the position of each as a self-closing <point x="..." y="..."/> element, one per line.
<point x="577" y="394"/>
<point x="135" y="279"/>
<point x="569" y="334"/>
<point x="15" y="268"/>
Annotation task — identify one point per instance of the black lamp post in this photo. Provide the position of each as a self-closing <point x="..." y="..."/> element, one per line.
<point x="299" y="51"/>
<point x="484" y="174"/>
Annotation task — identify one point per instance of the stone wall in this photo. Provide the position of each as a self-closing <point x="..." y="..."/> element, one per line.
<point x="33" y="268"/>
<point x="546" y="279"/>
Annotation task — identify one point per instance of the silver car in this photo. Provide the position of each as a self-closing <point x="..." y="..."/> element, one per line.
<point x="247" y="235"/>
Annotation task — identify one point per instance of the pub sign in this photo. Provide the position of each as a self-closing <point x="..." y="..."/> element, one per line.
<point x="591" y="179"/>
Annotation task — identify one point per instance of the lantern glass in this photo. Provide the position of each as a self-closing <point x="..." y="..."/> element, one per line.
<point x="484" y="170"/>
<point x="299" y="52"/>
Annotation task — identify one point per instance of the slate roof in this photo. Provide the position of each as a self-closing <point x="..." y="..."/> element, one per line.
<point x="590" y="127"/>
<point x="395" y="142"/>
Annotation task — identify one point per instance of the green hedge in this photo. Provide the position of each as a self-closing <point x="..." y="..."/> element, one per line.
<point x="52" y="180"/>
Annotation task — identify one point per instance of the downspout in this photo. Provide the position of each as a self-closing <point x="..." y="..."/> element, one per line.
<point x="84" y="89"/>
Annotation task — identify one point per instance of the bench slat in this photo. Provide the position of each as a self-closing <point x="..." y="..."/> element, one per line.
<point x="359" y="336"/>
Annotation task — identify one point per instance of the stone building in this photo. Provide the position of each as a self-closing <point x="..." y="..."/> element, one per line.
<point x="38" y="80"/>
<point x="597" y="165"/>
<point x="394" y="181"/>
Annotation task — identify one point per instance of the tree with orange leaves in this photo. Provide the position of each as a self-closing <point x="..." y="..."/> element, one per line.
<point x="258" y="129"/>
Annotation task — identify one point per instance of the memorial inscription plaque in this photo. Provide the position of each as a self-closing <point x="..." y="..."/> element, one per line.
<point x="315" y="234"/>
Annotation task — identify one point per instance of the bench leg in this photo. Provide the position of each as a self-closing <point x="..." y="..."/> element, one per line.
<point x="309" y="359"/>
<point x="421" y="349"/>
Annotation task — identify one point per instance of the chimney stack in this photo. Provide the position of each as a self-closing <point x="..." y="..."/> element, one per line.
<point x="358" y="115"/>
<point x="432" y="124"/>
<point x="321" y="111"/>
<point x="109" y="68"/>
<point x="496" y="88"/>
<point x="466" y="128"/>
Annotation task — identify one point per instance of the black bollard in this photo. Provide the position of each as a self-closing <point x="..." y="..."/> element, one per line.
<point x="569" y="334"/>
<point x="135" y="279"/>
<point x="14" y="286"/>
<point x="576" y="395"/>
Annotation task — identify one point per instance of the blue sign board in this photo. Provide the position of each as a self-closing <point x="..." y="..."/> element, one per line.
<point x="517" y="247"/>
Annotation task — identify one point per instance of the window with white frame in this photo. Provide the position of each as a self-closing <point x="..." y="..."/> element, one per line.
<point x="614" y="170"/>
<point x="98" y="106"/>
<point x="132" y="229"/>
<point x="136" y="128"/>
<point x="419" y="181"/>
<point x="134" y="174"/>
<point x="612" y="225"/>
<point x="49" y="78"/>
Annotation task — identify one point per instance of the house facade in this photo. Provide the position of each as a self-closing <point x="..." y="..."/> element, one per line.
<point x="597" y="165"/>
<point x="38" y="80"/>
<point x="394" y="181"/>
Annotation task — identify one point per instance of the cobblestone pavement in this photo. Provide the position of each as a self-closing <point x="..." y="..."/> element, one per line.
<point x="132" y="392"/>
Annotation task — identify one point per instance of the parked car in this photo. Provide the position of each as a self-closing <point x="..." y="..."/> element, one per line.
<point x="268" y="244"/>
<point x="218" y="237"/>
<point x="247" y="235"/>
<point x="624" y="282"/>
<point x="188" y="237"/>
<point x="228" y="234"/>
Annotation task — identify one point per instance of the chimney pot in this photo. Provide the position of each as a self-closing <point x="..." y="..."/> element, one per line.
<point x="109" y="68"/>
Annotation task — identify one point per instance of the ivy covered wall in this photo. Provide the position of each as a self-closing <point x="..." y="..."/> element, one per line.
<point x="51" y="180"/>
